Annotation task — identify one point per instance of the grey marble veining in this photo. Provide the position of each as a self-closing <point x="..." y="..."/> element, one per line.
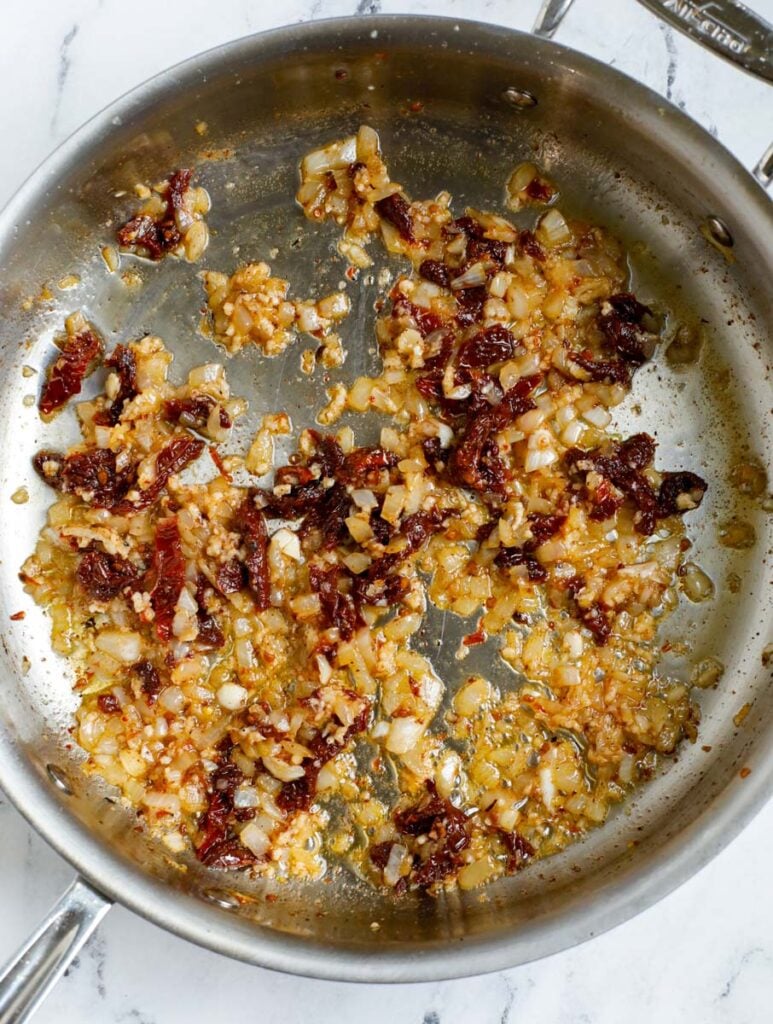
<point x="703" y="955"/>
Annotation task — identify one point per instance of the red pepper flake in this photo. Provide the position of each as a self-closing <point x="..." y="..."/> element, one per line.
<point x="218" y="460"/>
<point x="478" y="637"/>
<point x="18" y="616"/>
<point x="66" y="375"/>
<point x="745" y="773"/>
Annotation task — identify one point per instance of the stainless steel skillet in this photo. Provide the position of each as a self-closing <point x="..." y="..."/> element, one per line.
<point x="488" y="99"/>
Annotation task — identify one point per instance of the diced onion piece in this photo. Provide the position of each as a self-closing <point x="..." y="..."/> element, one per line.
<point x="547" y="788"/>
<point x="286" y="542"/>
<point x="553" y="229"/>
<point x="471" y="278"/>
<point x="282" y="770"/>
<point x="695" y="583"/>
<point x="393" y="870"/>
<point x="120" y="644"/>
<point x="404" y="734"/>
<point x="232" y="696"/>
<point x="333" y="157"/>
<point x="255" y="839"/>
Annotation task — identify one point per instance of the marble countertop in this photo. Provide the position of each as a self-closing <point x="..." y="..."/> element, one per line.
<point x="704" y="954"/>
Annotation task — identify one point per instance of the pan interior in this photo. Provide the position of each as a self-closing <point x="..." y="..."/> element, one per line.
<point x="435" y="94"/>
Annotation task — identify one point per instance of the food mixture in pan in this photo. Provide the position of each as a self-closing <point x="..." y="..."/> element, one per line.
<point x="250" y="653"/>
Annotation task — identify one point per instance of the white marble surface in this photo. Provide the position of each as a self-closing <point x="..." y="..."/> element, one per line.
<point x="703" y="955"/>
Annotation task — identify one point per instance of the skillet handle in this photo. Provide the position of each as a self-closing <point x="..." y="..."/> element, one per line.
<point x="725" y="26"/>
<point x="31" y="973"/>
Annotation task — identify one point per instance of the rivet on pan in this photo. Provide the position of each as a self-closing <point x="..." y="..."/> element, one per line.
<point x="521" y="99"/>
<point x="59" y="779"/>
<point x="220" y="899"/>
<point x="719" y="231"/>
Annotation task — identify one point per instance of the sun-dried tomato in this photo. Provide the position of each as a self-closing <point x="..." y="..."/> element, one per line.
<point x="382" y="530"/>
<point x="446" y="832"/>
<point x="219" y="847"/>
<point x="468" y="226"/>
<point x="179" y="183"/>
<point x="519" y="850"/>
<point x="607" y="371"/>
<point x="49" y="466"/>
<point x="435" y="271"/>
<point x="150" y="680"/>
<point x="379" y="854"/>
<point x="194" y="412"/>
<point x="599" y="622"/>
<point x="229" y="854"/>
<point x="301" y="499"/>
<point x="475" y="462"/>
<point x="539" y="190"/>
<point x="299" y="794"/>
<point x="362" y="467"/>
<point x="379" y="584"/>
<point x="434" y="452"/>
<point x="251" y="523"/>
<point x="210" y="633"/>
<point x="71" y="367"/>
<point x="93" y="476"/>
<point x="529" y="245"/>
<point x="621" y="325"/>
<point x="419" y="526"/>
<point x="123" y="361"/>
<point x="508" y="558"/>
<point x="145" y="233"/>
<point x="470" y="302"/>
<point x="329" y="515"/>
<point x="108" y="703"/>
<point x="425" y="321"/>
<point x="397" y="211"/>
<point x="230" y="577"/>
<point x="437" y="354"/>
<point x="169" y="573"/>
<point x="157" y="236"/>
<point x="542" y="528"/>
<point x="620" y="465"/>
<point x="338" y="609"/>
<point x="103" y="576"/>
<point x="491" y="345"/>
<point x="486" y="249"/>
<point x="173" y="458"/>
<point x="329" y="455"/>
<point x="679" y="493"/>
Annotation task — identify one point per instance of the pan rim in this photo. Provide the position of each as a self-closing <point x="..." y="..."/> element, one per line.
<point x="638" y="888"/>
